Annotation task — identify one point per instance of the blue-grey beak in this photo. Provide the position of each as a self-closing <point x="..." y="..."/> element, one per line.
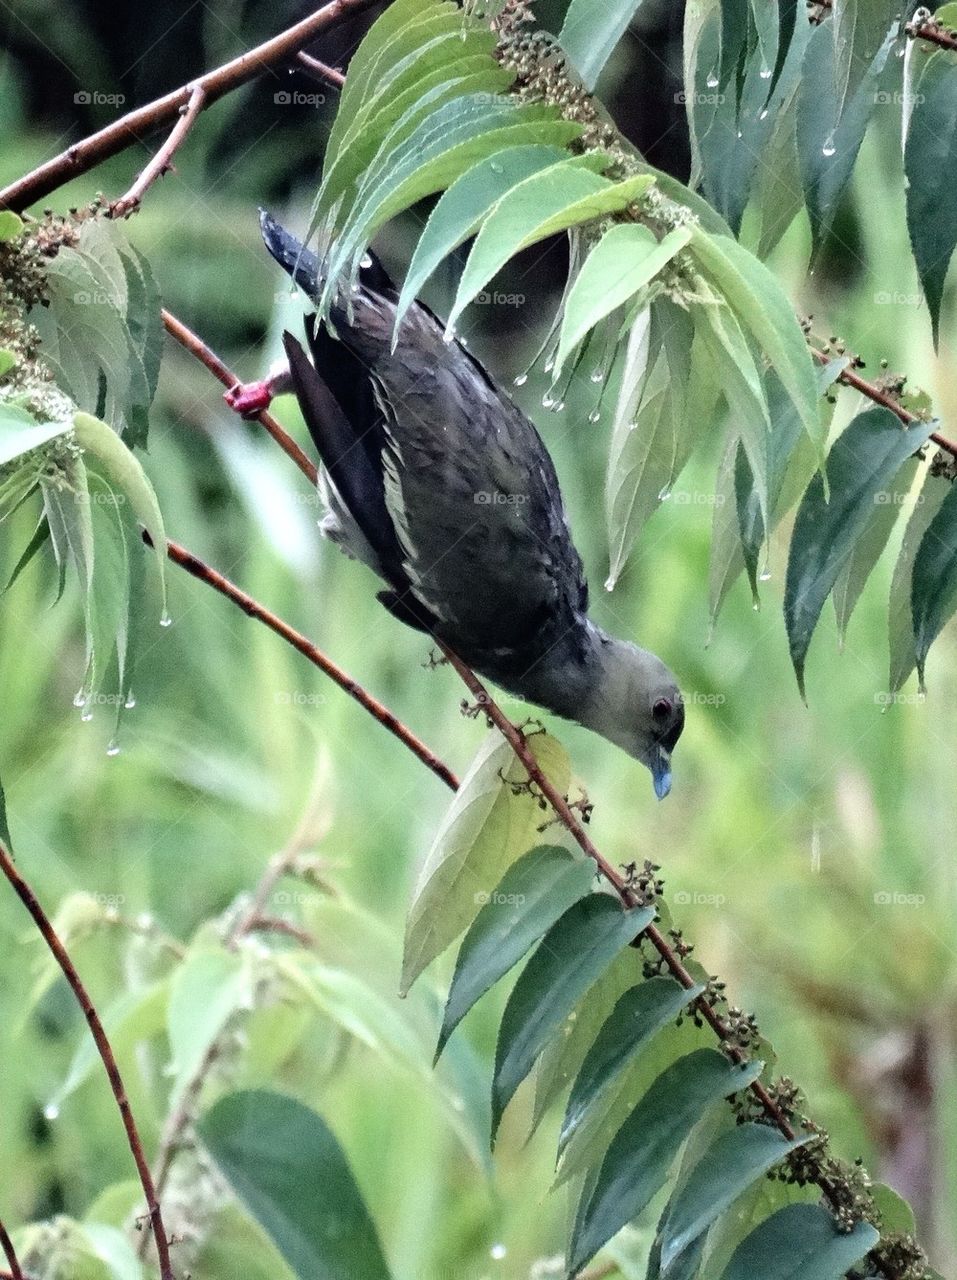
<point x="661" y="771"/>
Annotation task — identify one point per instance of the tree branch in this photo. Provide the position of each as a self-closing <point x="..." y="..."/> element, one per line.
<point x="163" y="159"/>
<point x="60" y="954"/>
<point x="113" y="138"/>
<point x="13" y="1262"/>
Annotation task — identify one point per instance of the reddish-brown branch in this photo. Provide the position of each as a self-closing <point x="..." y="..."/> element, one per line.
<point x="195" y="346"/>
<point x="13" y="1262"/>
<point x="880" y="395"/>
<point x="163" y="159"/>
<point x="132" y="127"/>
<point x="68" y="969"/>
<point x="199" y="569"/>
<point x="930" y="29"/>
<point x="327" y="74"/>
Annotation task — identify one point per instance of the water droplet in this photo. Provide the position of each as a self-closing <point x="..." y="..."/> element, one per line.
<point x="764" y="575"/>
<point x="497" y="1252"/>
<point x="764" y="114"/>
<point x="521" y="380"/>
<point x="496" y="167"/>
<point x="756" y="606"/>
<point x="598" y="375"/>
<point x="80" y="697"/>
<point x="884" y="709"/>
<point x="610" y="584"/>
<point x="87" y="715"/>
<point x="595" y="415"/>
<point x="113" y="749"/>
<point x="130" y="702"/>
<point x="549" y="364"/>
<point x="664" y="494"/>
<point x="765" y="73"/>
<point x="448" y="337"/>
<point x="145" y="921"/>
<point x="712" y="81"/>
<point x="166" y="620"/>
<point x="366" y="262"/>
<point x="548" y="400"/>
<point x="51" y="1112"/>
<point x="740" y="134"/>
<point x="558" y="406"/>
<point x="829" y="148"/>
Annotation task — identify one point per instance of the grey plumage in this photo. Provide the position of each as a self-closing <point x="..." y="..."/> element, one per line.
<point x="440" y="483"/>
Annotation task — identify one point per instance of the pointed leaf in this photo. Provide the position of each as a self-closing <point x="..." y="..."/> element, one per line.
<point x="863" y="461"/>
<point x="638" y="1015"/>
<point x="929" y="155"/>
<point x="637" y="1162"/>
<point x="527" y="901"/>
<point x="729" y="1166"/>
<point x="572" y="955"/>
<point x="490" y="823"/>
<point x="285" y="1165"/>
<point x="20" y="432"/>
<point x="800" y="1242"/>
<point x="207" y="989"/>
<point x="934" y="580"/>
<point x="590" y="32"/>
<point x="900" y="620"/>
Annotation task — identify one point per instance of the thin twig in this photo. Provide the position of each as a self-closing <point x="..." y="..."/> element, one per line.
<point x="60" y="954"/>
<point x="930" y="29"/>
<point x="13" y="1262"/>
<point x="195" y="346"/>
<point x="130" y="128"/>
<point x="205" y="573"/>
<point x="327" y="74"/>
<point x="880" y="395"/>
<point x="163" y="159"/>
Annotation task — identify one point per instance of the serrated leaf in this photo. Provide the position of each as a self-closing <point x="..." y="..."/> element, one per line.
<point x="487" y="827"/>
<point x="285" y="1165"/>
<point x="863" y="462"/>
<point x="761" y="306"/>
<point x="206" y="990"/>
<point x="527" y="901"/>
<point x="553" y="200"/>
<point x="461" y="209"/>
<point x="638" y="1015"/>
<point x="627" y="258"/>
<point x="590" y="32"/>
<point x="637" y="1162"/>
<point x="572" y="955"/>
<point x="929" y="155"/>
<point x="900" y="619"/>
<point x="730" y="1165"/>
<point x="934" y="579"/>
<point x="20" y="432"/>
<point x="800" y="1242"/>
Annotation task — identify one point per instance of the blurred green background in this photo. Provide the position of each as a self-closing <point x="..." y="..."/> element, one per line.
<point x="808" y="851"/>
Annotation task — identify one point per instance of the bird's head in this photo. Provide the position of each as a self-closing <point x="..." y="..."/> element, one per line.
<point x="636" y="703"/>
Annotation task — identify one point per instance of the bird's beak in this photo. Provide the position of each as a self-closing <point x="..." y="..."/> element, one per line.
<point x="661" y="771"/>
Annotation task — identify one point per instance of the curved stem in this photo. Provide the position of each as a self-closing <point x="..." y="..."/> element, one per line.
<point x="163" y="158"/>
<point x="13" y="1262"/>
<point x="105" y="1050"/>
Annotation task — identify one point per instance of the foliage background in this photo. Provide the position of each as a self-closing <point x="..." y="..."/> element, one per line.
<point x="807" y="851"/>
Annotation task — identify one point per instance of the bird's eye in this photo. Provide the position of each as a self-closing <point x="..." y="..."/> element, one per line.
<point x="662" y="709"/>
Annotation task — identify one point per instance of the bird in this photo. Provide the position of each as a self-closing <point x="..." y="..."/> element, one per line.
<point x="436" y="479"/>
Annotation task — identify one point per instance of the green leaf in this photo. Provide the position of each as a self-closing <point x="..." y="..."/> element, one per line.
<point x="572" y="955"/>
<point x="800" y="1242"/>
<point x="900" y="619"/>
<point x="20" y="433"/>
<point x="929" y="155"/>
<point x="109" y="590"/>
<point x="858" y="29"/>
<point x="207" y="989"/>
<point x="863" y="462"/>
<point x="590" y="32"/>
<point x="462" y="208"/>
<point x="637" y="1162"/>
<point x="553" y="200"/>
<point x="7" y="360"/>
<point x="285" y="1165"/>
<point x="236" y="1245"/>
<point x="527" y="901"/>
<point x="761" y="306"/>
<point x="762" y="1199"/>
<point x="934" y="580"/>
<point x="491" y="822"/>
<point x="10" y="224"/>
<point x="637" y="1016"/>
<point x="727" y="557"/>
<point x="125" y="475"/>
<point x="896" y="1213"/>
<point x="729" y="1166"/>
<point x="4" y="823"/>
<point x="626" y="258"/>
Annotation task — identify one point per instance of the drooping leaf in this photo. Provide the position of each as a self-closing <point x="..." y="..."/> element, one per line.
<point x="526" y="902"/>
<point x="491" y="822"/>
<point x="800" y="1242"/>
<point x="20" y="432"/>
<point x="285" y="1165"/>
<point x="590" y="32"/>
<point x="626" y="258"/>
<point x="929" y="155"/>
<point x="4" y="823"/>
<point x="858" y="29"/>
<point x="206" y="990"/>
<point x="550" y="201"/>
<point x="727" y="557"/>
<point x="729" y="1166"/>
<point x="934" y="579"/>
<point x="461" y="209"/>
<point x="638" y="1015"/>
<point x="900" y="616"/>
<point x="571" y="956"/>
<point x="637" y="1162"/>
<point x="862" y="463"/>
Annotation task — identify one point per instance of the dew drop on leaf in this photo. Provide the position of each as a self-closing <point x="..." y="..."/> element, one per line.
<point x="712" y="81"/>
<point x="113" y="749"/>
<point x="166" y="620"/>
<point x="51" y="1112"/>
<point x="521" y="380"/>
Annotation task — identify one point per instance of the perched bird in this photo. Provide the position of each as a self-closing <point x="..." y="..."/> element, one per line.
<point x="437" y="481"/>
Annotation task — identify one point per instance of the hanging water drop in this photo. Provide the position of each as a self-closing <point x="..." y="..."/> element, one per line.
<point x="712" y="81"/>
<point x="497" y="1252"/>
<point x="51" y="1112"/>
<point x="558" y="406"/>
<point x="829" y="148"/>
<point x="496" y="167"/>
<point x="166" y="620"/>
<point x="664" y="494"/>
<point x="549" y="364"/>
<point x="130" y="702"/>
<point x="764" y="575"/>
<point x="764" y="114"/>
<point x="87" y="715"/>
<point x="80" y="697"/>
<point x="366" y="262"/>
<point x="765" y="73"/>
<point x="521" y="380"/>
<point x="548" y="400"/>
<point x="113" y="749"/>
<point x="598" y="375"/>
<point x="595" y="415"/>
